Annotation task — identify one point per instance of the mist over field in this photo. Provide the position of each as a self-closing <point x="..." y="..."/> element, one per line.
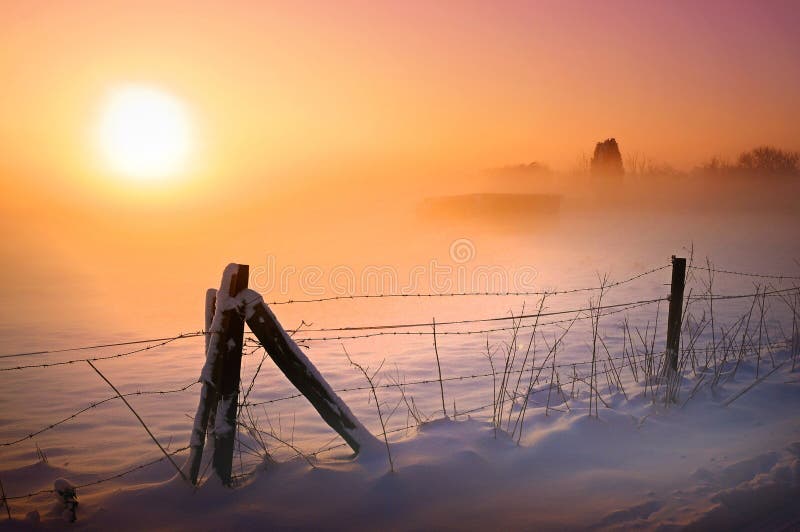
<point x="395" y="221"/>
<point x="115" y="261"/>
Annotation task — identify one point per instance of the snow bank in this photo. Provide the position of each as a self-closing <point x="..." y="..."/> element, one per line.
<point x="639" y="466"/>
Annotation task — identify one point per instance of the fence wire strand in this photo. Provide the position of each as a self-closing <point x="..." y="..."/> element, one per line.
<point x="94" y="359"/>
<point x="472" y="293"/>
<point x="747" y="274"/>
<point x="91" y="406"/>
<point x="105" y="479"/>
<point x="101" y="346"/>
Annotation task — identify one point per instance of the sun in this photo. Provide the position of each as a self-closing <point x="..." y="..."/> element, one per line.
<point x="144" y="133"/>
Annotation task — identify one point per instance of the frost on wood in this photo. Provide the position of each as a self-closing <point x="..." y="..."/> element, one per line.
<point x="199" y="427"/>
<point x="301" y="372"/>
<point x="223" y="425"/>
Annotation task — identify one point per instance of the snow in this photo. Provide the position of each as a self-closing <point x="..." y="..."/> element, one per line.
<point x="66" y="494"/>
<point x="221" y="426"/>
<point x="640" y="464"/>
<point x="198" y="431"/>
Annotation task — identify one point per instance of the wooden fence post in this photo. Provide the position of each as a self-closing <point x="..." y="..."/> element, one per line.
<point x="229" y="348"/>
<point x="304" y="376"/>
<point x="220" y="376"/>
<point x="675" y="312"/>
<point x="206" y="410"/>
<point x="211" y="308"/>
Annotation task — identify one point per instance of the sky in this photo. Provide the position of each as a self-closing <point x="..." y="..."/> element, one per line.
<point x="420" y="84"/>
<point x="295" y="105"/>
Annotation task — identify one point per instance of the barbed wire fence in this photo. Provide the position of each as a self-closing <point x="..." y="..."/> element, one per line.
<point x="734" y="346"/>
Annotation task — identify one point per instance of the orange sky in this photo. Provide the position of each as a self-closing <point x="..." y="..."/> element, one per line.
<point x="453" y="84"/>
<point x="286" y="95"/>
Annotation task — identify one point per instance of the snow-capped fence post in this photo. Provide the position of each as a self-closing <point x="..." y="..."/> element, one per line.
<point x="302" y="373"/>
<point x="675" y="312"/>
<point x="211" y="308"/>
<point x="220" y="375"/>
<point x="208" y="398"/>
<point x="229" y="344"/>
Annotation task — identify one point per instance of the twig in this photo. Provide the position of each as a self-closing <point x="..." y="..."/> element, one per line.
<point x="5" y="501"/>
<point x="410" y="405"/>
<point x="532" y="381"/>
<point x="531" y="343"/>
<point x="169" y="457"/>
<point x="757" y="381"/>
<point x="377" y="404"/>
<point x="279" y="440"/>
<point x="494" y="387"/>
<point x="550" y="388"/>
<point x="438" y="366"/>
<point x="595" y="325"/>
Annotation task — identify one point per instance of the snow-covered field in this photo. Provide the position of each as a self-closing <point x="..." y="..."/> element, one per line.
<point x="703" y="461"/>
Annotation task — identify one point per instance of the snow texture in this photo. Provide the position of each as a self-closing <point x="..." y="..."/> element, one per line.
<point x="699" y="465"/>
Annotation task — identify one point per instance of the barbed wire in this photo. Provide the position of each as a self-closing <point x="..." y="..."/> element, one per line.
<point x="91" y="406"/>
<point x="332" y="298"/>
<point x="168" y="339"/>
<point x="623" y="357"/>
<point x="94" y="359"/>
<point x="481" y="320"/>
<point x="746" y="274"/>
<point x="721" y="297"/>
<point x="467" y="332"/>
<point x="331" y="447"/>
<point x="514" y="397"/>
<point x="567" y="381"/>
<point x="101" y="346"/>
<point x="460" y="377"/>
<point x="632" y="358"/>
<point x="383" y="327"/>
<point x="339" y="390"/>
<point x="378" y="327"/>
<point x="106" y="479"/>
<point x="293" y="396"/>
<point x="471" y="293"/>
<point x="629" y="357"/>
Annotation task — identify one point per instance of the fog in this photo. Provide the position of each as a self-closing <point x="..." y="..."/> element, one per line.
<point x="142" y="267"/>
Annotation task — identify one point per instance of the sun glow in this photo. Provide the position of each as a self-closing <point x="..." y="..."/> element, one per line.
<point x="144" y="133"/>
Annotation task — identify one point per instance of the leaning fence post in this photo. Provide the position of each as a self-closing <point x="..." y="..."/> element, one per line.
<point x="675" y="311"/>
<point x="301" y="372"/>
